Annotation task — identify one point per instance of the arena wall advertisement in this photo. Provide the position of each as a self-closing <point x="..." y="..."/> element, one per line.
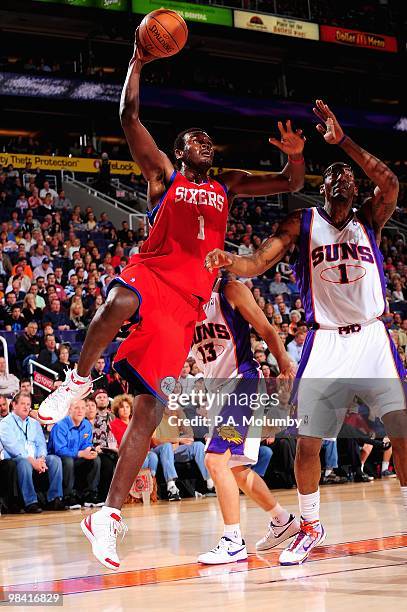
<point x="355" y="38"/>
<point x="74" y="164"/>
<point x="276" y="25"/>
<point x="190" y="12"/>
<point x="110" y="5"/>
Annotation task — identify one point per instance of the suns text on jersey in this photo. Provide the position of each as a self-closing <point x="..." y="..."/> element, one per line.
<point x="340" y="252"/>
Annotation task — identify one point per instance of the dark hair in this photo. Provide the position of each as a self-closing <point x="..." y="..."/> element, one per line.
<point x="179" y="142"/>
<point x="343" y="164"/>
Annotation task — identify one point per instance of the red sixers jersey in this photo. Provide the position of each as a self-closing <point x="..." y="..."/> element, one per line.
<point x="188" y="222"/>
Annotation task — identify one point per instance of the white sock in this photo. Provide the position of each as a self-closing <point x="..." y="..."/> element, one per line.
<point x="362" y="467"/>
<point x="404" y="496"/>
<point x="309" y="506"/>
<point x="233" y="533"/>
<point x="108" y="510"/>
<point x="279" y="515"/>
<point x="171" y="485"/>
<point x="328" y="471"/>
<point x="78" y="378"/>
<point x="385" y="466"/>
<point x="210" y="484"/>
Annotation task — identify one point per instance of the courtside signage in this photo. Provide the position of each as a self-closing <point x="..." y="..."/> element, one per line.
<point x="355" y="38"/>
<point x="276" y="25"/>
<point x="109" y="5"/>
<point x="74" y="164"/>
<point x="190" y="12"/>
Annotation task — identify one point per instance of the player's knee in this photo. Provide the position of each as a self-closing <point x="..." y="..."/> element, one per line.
<point x="395" y="424"/>
<point x="120" y="305"/>
<point x="308" y="448"/>
<point x="214" y="463"/>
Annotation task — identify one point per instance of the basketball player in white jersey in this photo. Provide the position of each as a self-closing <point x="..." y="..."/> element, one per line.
<point x="340" y="275"/>
<point x="222" y="350"/>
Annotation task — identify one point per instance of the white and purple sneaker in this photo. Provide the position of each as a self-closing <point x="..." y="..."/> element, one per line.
<point x="226" y="551"/>
<point x="311" y="534"/>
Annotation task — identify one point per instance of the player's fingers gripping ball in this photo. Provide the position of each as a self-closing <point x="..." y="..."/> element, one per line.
<point x="162" y="33"/>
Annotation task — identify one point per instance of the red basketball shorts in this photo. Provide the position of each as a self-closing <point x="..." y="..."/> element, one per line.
<point x="161" y="337"/>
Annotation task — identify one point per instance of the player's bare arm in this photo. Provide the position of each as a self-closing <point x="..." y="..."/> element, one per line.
<point x="240" y="297"/>
<point x="379" y="208"/>
<point x="267" y="255"/>
<point x="154" y="164"/>
<point x="290" y="179"/>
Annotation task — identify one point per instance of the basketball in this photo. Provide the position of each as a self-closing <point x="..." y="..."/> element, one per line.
<point x="163" y="33"/>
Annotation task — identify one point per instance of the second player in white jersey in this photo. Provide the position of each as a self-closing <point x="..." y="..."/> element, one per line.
<point x="339" y="270"/>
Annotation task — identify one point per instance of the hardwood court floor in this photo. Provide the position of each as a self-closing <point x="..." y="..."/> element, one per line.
<point x="363" y="561"/>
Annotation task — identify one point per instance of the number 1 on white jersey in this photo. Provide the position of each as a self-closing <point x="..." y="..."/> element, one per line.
<point x="201" y="233"/>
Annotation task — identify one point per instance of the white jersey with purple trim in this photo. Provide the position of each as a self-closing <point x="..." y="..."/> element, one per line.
<point x="339" y="270"/>
<point x="221" y="344"/>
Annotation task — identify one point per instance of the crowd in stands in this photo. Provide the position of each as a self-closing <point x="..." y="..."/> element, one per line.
<point x="56" y="263"/>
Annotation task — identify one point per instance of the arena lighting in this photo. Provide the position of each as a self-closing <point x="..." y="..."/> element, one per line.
<point x="401" y="124"/>
<point x="13" y="84"/>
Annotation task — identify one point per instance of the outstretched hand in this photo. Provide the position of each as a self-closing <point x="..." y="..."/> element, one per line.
<point x="140" y="53"/>
<point x="217" y="259"/>
<point x="331" y="131"/>
<point x="291" y="143"/>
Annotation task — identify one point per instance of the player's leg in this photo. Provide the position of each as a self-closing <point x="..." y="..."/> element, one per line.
<point x="395" y="424"/>
<point x="283" y="525"/>
<point x="121" y="304"/>
<point x="307" y="474"/>
<point x="231" y="546"/>
<point x="102" y="528"/>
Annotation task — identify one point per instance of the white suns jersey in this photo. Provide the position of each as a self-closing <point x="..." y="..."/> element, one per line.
<point x="339" y="270"/>
<point x="221" y="344"/>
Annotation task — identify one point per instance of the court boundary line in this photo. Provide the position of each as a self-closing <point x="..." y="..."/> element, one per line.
<point x="173" y="573"/>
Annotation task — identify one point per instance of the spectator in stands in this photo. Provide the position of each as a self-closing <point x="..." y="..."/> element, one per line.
<point x="98" y="372"/>
<point x="125" y="235"/>
<point x="71" y="439"/>
<point x="15" y="322"/>
<point x="295" y="318"/>
<point x="277" y="286"/>
<point x="186" y="379"/>
<point x="294" y="348"/>
<point x="24" y="442"/>
<point x="48" y="190"/>
<point x="30" y="311"/>
<point x="44" y="269"/>
<point x="56" y="316"/>
<point x="9" y="384"/>
<point x="62" y="202"/>
<point x="398" y="294"/>
<point x="284" y="312"/>
<point x="4" y="408"/>
<point x="173" y="442"/>
<point x="292" y="285"/>
<point x="34" y="201"/>
<point x="64" y="363"/>
<point x="48" y="356"/>
<point x="77" y="318"/>
<point x="105" y="225"/>
<point x="102" y="182"/>
<point x="91" y="222"/>
<point x="5" y="264"/>
<point x="104" y="441"/>
<point x="28" y="344"/>
<point x="39" y="300"/>
<point x="91" y="410"/>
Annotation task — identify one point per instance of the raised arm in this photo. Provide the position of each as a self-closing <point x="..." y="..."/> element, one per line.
<point x="240" y="297"/>
<point x="154" y="164"/>
<point x="269" y="253"/>
<point x="379" y="208"/>
<point x="290" y="179"/>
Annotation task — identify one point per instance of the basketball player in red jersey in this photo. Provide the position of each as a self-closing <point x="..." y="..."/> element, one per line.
<point x="163" y="288"/>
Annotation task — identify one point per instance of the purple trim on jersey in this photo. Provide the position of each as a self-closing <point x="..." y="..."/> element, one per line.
<point x="327" y="218"/>
<point x="379" y="259"/>
<point x="153" y="213"/>
<point x="401" y="371"/>
<point x="301" y="266"/>
<point x="240" y="331"/>
<point x="305" y="355"/>
<point x="248" y="386"/>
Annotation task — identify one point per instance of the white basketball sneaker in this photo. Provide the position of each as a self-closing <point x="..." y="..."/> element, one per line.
<point x="278" y="533"/>
<point x="226" y="551"/>
<point x="102" y="530"/>
<point x="55" y="407"/>
<point x="311" y="534"/>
